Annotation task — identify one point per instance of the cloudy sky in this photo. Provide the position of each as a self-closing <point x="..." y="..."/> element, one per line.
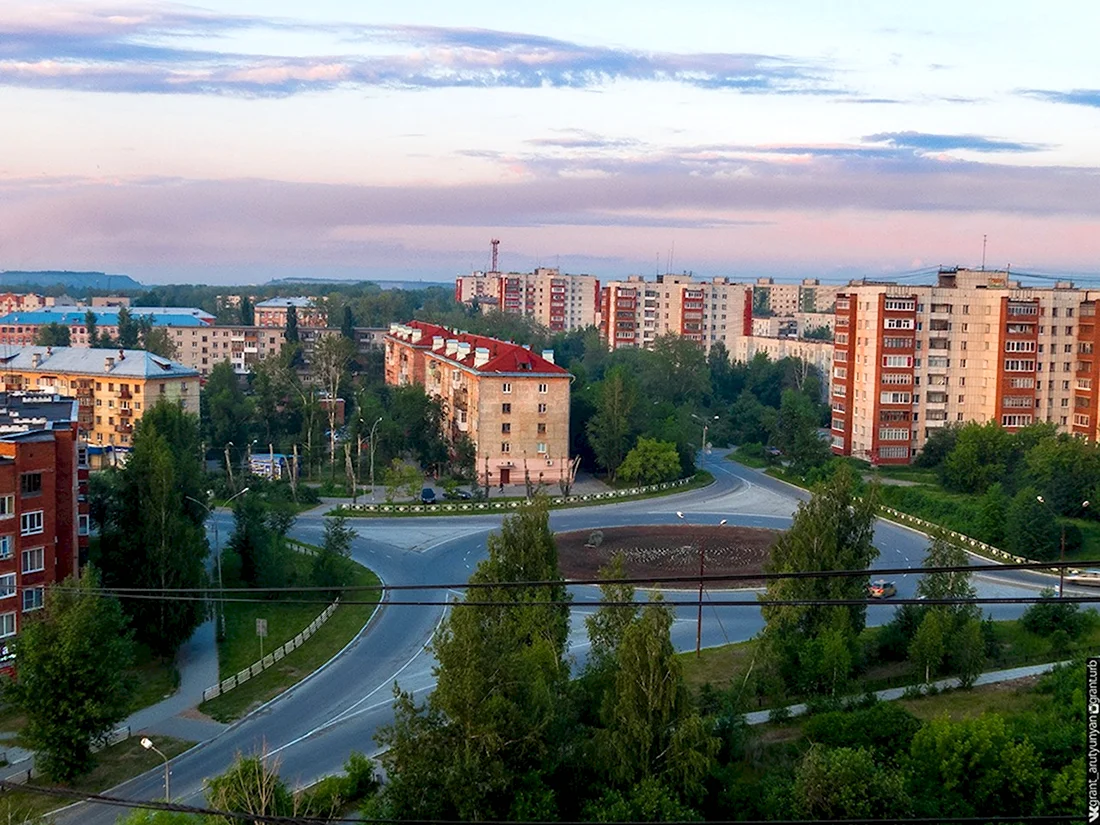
<point x="239" y="140"/>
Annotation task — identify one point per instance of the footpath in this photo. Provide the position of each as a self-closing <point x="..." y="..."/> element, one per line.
<point x="175" y="715"/>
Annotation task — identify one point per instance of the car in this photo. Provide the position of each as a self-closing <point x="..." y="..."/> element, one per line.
<point x="462" y="495"/>
<point x="881" y="589"/>
<point x="427" y="496"/>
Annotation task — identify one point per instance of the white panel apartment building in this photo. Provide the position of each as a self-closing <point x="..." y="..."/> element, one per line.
<point x="559" y="302"/>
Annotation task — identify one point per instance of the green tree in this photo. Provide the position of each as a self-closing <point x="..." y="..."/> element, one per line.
<point x="91" y="324"/>
<point x="347" y="324"/>
<point x="982" y="455"/>
<point x="72" y="684"/>
<point x="251" y="786"/>
<point x="252" y="539"/>
<point x="941" y="441"/>
<point x="247" y="314"/>
<point x="1030" y="528"/>
<point x="946" y="585"/>
<point x="611" y="429"/>
<point x="992" y="511"/>
<point x="676" y="371"/>
<point x="1064" y="470"/>
<point x="796" y="432"/>
<point x="648" y="801"/>
<point x="330" y="360"/>
<point x="52" y="334"/>
<point x="847" y="783"/>
<point x="967" y="651"/>
<point x="331" y="563"/>
<point x="494" y="721"/>
<point x="609" y="622"/>
<point x="226" y="411"/>
<point x="753" y="423"/>
<point x="650" y="462"/>
<point x="1047" y="617"/>
<point x="831" y="531"/>
<point x="291" y="334"/>
<point x="128" y="329"/>
<point x="401" y="478"/>
<point x="928" y="648"/>
<point x="158" y="341"/>
<point x="155" y="538"/>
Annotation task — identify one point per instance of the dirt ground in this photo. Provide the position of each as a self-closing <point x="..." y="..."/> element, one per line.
<point x="671" y="550"/>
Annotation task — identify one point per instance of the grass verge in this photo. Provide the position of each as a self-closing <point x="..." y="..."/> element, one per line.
<point x="241" y="646"/>
<point x="114" y="765"/>
<point x="701" y="479"/>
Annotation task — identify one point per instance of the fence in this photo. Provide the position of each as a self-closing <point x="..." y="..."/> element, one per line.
<point x="256" y="668"/>
<point x="498" y="506"/>
<point x="967" y="542"/>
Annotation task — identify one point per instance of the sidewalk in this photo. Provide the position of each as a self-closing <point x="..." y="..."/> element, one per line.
<point x="759" y="717"/>
<point x="197" y="662"/>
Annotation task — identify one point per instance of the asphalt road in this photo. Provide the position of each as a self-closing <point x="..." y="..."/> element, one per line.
<point x="312" y="728"/>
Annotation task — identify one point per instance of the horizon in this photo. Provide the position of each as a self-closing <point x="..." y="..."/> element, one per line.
<point x="240" y="142"/>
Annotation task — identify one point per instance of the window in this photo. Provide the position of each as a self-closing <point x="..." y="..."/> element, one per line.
<point x="1014" y="365"/>
<point x="897" y="360"/>
<point x="896" y="378"/>
<point x="30" y="484"/>
<point x="82" y="525"/>
<point x="893" y="452"/>
<point x="506" y="427"/>
<point x="1078" y="419"/>
<point x="505" y="409"/>
<point x="30" y="524"/>
<point x="893" y="434"/>
<point x="506" y="388"/>
<point x="1019" y="346"/>
<point x="34" y="559"/>
<point x="505" y="447"/>
<point x="541" y="447"/>
<point x="542" y="408"/>
<point x="6" y="543"/>
<point x="1018" y="401"/>
<point x="7" y="506"/>
<point x="1021" y="383"/>
<point x="898" y="323"/>
<point x="1015" y="420"/>
<point x="7" y="625"/>
<point x="903" y="306"/>
<point x="7" y="585"/>
<point x="543" y="388"/>
<point x="895" y="398"/>
<point x="32" y="598"/>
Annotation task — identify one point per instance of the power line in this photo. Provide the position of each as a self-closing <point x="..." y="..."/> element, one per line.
<point x="123" y="802"/>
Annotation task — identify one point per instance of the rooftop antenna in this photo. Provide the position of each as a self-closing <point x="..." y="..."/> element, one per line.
<point x="494" y="243"/>
<point x="984" y="237"/>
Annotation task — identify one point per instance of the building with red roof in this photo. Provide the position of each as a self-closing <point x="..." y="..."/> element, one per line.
<point x="511" y="402"/>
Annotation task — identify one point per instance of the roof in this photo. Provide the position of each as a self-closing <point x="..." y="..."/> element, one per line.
<point x="23" y="412"/>
<point x="129" y="363"/>
<point x="301" y="302"/>
<point x="504" y="356"/>
<point x="108" y="316"/>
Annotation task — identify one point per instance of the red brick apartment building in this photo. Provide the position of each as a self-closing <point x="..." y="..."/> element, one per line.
<point x="43" y="501"/>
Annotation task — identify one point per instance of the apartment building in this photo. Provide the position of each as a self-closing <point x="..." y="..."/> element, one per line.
<point x="511" y="402"/>
<point x="43" y="503"/>
<point x="273" y="312"/>
<point x="636" y="312"/>
<point x="786" y="299"/>
<point x="201" y="348"/>
<point x="21" y="302"/>
<point x="18" y="329"/>
<point x="560" y="302"/>
<point x="817" y="354"/>
<point x="976" y="346"/>
<point x="113" y="388"/>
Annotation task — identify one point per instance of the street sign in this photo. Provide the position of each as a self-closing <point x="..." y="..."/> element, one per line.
<point x="261" y="628"/>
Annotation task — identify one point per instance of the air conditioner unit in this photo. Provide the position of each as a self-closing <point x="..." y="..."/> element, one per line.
<point x="549" y="462"/>
<point x="507" y="464"/>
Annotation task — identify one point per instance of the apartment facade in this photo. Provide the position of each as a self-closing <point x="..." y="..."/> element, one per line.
<point x="560" y="302"/>
<point x="976" y="346"/>
<point x="113" y="389"/>
<point x="511" y="402"/>
<point x="809" y="295"/>
<point x="274" y="311"/>
<point x="43" y="503"/>
<point x="19" y="329"/>
<point x="635" y="312"/>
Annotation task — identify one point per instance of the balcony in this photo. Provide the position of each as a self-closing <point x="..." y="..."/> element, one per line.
<point x="124" y="428"/>
<point x="126" y="412"/>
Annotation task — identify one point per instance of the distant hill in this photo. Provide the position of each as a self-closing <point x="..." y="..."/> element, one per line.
<point x="69" y="280"/>
<point x="381" y="283"/>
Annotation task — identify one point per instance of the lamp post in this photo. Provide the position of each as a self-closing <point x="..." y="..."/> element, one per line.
<point x="702" y="568"/>
<point x="147" y="743"/>
<point x="706" y="426"/>
<point x="1062" y="545"/>
<point x="372" y="426"/>
<point x="218" y="556"/>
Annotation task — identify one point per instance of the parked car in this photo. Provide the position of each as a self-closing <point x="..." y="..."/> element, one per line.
<point x="881" y="589"/>
<point x="462" y="495"/>
<point x="427" y="496"/>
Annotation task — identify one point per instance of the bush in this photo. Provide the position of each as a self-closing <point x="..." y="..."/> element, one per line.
<point x="884" y="727"/>
<point x="1053" y="615"/>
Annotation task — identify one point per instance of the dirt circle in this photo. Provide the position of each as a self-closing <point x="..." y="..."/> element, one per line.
<point x="668" y="550"/>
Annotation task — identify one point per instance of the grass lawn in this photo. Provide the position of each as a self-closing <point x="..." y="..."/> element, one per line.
<point x="1004" y="698"/>
<point x="718" y="666"/>
<point x="284" y="621"/>
<point x="753" y="461"/>
<point x="115" y="764"/>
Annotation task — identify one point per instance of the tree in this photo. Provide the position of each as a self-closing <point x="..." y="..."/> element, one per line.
<point x="1051" y="615"/>
<point x="155" y="538"/>
<point x="401" y="477"/>
<point x="158" y="341"/>
<point x="676" y="371"/>
<point x="1064" y="470"/>
<point x="331" y="566"/>
<point x="347" y="324"/>
<point x="72" y="682"/>
<point x="226" y="411"/>
<point x="291" y="334"/>
<point x="252" y="538"/>
<point x="250" y="786"/>
<point x="650" y="462"/>
<point x="493" y="723"/>
<point x="128" y="329"/>
<point x="52" y="334"/>
<point x="608" y="624"/>
<point x="1030" y="528"/>
<point x="967" y="651"/>
<point x="832" y="531"/>
<point x="945" y="585"/>
<point x="992" y="510"/>
<point x="796" y="432"/>
<point x="610" y="430"/>
<point x="90" y="324"/>
<point x="940" y="442"/>
<point x="928" y="647"/>
<point x="248" y="316"/>
<point x="331" y="357"/>
<point x="981" y="455"/>
<point x="847" y="783"/>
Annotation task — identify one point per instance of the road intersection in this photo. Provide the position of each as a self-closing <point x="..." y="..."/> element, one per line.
<point x="313" y="727"/>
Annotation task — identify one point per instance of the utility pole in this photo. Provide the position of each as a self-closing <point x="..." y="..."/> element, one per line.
<point x="375" y="424"/>
<point x="702" y="543"/>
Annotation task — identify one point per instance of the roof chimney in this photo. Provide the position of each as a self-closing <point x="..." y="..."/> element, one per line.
<point x="438" y="341"/>
<point x="417" y="334"/>
<point x="481" y="357"/>
<point x="452" y="346"/>
<point x="548" y="354"/>
<point x="108" y="364"/>
<point x="464" y="348"/>
<point x="36" y="359"/>
<point x="121" y="354"/>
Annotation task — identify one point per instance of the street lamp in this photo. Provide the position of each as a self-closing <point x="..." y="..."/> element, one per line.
<point x="372" y="426"/>
<point x="218" y="555"/>
<point x="706" y="426"/>
<point x="702" y="568"/>
<point x="1062" y="546"/>
<point x="147" y="743"/>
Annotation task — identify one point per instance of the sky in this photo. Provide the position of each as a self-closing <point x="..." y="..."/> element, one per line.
<point x="234" y="142"/>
